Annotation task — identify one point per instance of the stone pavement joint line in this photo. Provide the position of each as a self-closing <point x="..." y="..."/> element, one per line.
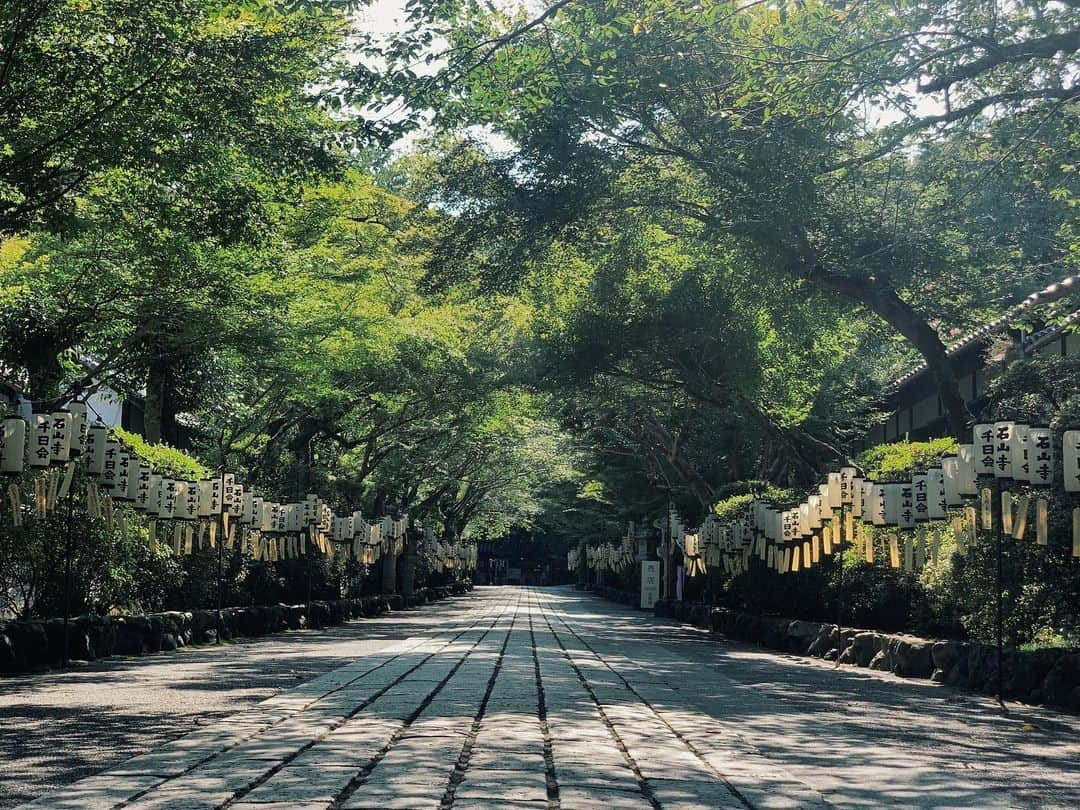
<point x="462" y="762"/>
<point x="541" y="710"/>
<point x="689" y="745"/>
<point x="550" y="699"/>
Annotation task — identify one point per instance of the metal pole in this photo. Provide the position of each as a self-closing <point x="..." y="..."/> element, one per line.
<point x="67" y="571"/>
<point x="220" y="546"/>
<point x="999" y="618"/>
<point x="839" y="583"/>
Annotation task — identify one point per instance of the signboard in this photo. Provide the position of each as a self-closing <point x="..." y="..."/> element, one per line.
<point x="650" y="583"/>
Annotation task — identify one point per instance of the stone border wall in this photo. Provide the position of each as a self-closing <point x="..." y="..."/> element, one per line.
<point x="38" y="645"/>
<point x="1039" y="677"/>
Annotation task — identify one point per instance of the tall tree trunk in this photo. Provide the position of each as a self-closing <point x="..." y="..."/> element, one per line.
<point x="157" y="382"/>
<point x="884" y="302"/>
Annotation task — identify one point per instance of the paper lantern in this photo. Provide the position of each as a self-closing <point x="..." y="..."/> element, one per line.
<point x="1003" y="449"/>
<point x="890" y="494"/>
<point x="180" y="500"/>
<point x="985" y="448"/>
<point x="125" y="469"/>
<point x="191" y="500"/>
<point x="256" y="511"/>
<point x="814" y="502"/>
<point x="804" y="520"/>
<point x="967" y="480"/>
<point x="12" y="445"/>
<point x="110" y="471"/>
<point x="1040" y="456"/>
<point x="235" y="505"/>
<point x="920" y="486"/>
<point x="848" y="478"/>
<point x="1021" y="458"/>
<point x="950" y="470"/>
<point x="294" y="517"/>
<point x="78" y="427"/>
<point x="153" y="496"/>
<point x="836" y="490"/>
<point x="1070" y="460"/>
<point x="266" y="521"/>
<point x="40" y="436"/>
<point x="905" y="516"/>
<point x="60" y="437"/>
<point x="247" y="509"/>
<point x="206" y="497"/>
<point x="96" y="436"/>
<point x="142" y="487"/>
<point x="936" y="505"/>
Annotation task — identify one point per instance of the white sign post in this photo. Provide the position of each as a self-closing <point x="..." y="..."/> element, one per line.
<point x="650" y="583"/>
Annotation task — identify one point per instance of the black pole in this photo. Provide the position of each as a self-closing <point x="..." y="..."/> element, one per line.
<point x="67" y="571"/>
<point x="220" y="546"/>
<point x="999" y="618"/>
<point x="839" y="583"/>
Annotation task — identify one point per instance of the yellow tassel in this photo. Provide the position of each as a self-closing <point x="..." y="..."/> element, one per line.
<point x="868" y="543"/>
<point x="15" y="499"/>
<point x="1076" y="532"/>
<point x="935" y="545"/>
<point x="213" y="533"/>
<point x="52" y="488"/>
<point x="795" y="559"/>
<point x="986" y="498"/>
<point x="65" y="485"/>
<point x="816" y="550"/>
<point x="109" y="512"/>
<point x="909" y="561"/>
<point x="894" y="551"/>
<point x="1020" y="520"/>
<point x="1042" y="521"/>
<point x="177" y="539"/>
<point x="151" y="534"/>
<point x="1007" y="512"/>
<point x="826" y="539"/>
<point x="849" y="527"/>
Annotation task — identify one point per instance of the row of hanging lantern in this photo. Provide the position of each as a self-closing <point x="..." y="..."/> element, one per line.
<point x="848" y="506"/>
<point x="609" y="556"/>
<point x="184" y="514"/>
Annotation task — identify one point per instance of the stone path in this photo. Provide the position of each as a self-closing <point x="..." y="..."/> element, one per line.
<point x="553" y="699"/>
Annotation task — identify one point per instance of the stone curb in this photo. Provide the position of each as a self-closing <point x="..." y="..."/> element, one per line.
<point x="1038" y="677"/>
<point x="38" y="645"/>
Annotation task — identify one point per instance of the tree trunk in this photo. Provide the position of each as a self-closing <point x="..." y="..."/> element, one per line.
<point x="154" y="403"/>
<point x="884" y="302"/>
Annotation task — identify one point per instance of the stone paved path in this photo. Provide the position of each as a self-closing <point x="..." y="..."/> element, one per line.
<point x="553" y="699"/>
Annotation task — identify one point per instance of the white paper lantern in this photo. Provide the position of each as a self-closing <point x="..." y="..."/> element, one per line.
<point x="295" y="514"/>
<point x="1003" y="449"/>
<point x="1040" y="456"/>
<point x="804" y="520"/>
<point x="876" y="503"/>
<point x="236" y="499"/>
<point x="96" y="436"/>
<point x="266" y="523"/>
<point x="110" y="472"/>
<point x="40" y="437"/>
<point x="78" y="427"/>
<point x="60" y="437"/>
<point x="985" y="449"/>
<point x="1021" y="456"/>
<point x="125" y="469"/>
<point x="247" y="509"/>
<point x="920" y="486"/>
<point x="836" y="490"/>
<point x="936" y="504"/>
<point x="905" y="518"/>
<point x="950" y="470"/>
<point x="206" y="497"/>
<point x="153" y="496"/>
<point x="191" y="500"/>
<point x="1070" y="460"/>
<point x="12" y="445"/>
<point x="816" y="510"/>
<point x="142" y="492"/>
<point x="968" y="470"/>
<point x="892" y="503"/>
<point x="180" y="500"/>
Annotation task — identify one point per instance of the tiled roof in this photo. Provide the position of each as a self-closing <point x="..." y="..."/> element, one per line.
<point x="1060" y="289"/>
